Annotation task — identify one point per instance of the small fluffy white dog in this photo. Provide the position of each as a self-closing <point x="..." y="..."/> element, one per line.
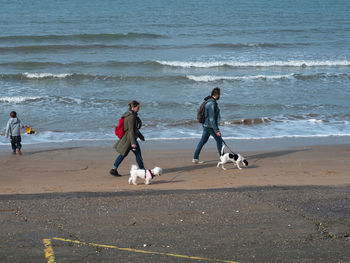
<point x="145" y="174"/>
<point x="235" y="158"/>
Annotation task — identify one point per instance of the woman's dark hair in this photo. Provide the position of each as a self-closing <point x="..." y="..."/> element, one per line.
<point x="13" y="114"/>
<point x="133" y="104"/>
<point x="215" y="91"/>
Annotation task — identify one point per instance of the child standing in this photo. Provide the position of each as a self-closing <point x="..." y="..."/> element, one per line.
<point x="13" y="129"/>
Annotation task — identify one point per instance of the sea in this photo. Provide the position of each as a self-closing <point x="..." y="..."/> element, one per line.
<point x="69" y="68"/>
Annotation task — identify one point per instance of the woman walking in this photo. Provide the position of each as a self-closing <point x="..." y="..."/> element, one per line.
<point x="131" y="127"/>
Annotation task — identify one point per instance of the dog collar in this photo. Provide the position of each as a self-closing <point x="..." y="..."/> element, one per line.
<point x="149" y="172"/>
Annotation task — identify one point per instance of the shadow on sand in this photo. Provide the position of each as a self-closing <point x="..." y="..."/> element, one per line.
<point x="260" y="156"/>
<point x="250" y="158"/>
<point x="191" y="167"/>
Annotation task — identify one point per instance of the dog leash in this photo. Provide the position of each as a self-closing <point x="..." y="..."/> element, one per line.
<point x="227" y="145"/>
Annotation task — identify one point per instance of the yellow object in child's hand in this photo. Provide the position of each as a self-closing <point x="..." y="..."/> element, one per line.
<point x="29" y="130"/>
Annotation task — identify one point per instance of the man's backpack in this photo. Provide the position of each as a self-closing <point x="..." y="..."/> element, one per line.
<point x="201" y="112"/>
<point x="119" y="130"/>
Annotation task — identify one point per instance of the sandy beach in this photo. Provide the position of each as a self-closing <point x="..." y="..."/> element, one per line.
<point x="86" y="169"/>
<point x="289" y="205"/>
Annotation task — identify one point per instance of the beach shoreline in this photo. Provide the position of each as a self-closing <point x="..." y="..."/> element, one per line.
<point x="236" y="144"/>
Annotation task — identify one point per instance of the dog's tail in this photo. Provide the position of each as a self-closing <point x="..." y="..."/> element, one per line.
<point x="222" y="149"/>
<point x="134" y="167"/>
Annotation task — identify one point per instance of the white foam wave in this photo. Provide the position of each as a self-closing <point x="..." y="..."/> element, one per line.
<point x="290" y="63"/>
<point x="208" y="78"/>
<point x="90" y="136"/>
<point x="18" y="99"/>
<point x="288" y="136"/>
<point x="42" y="137"/>
<point x="45" y="75"/>
<point x="315" y="121"/>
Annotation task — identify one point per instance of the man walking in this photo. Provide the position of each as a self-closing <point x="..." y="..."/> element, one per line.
<point x="211" y="124"/>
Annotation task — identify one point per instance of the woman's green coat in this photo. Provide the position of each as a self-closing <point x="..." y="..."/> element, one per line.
<point x="131" y="127"/>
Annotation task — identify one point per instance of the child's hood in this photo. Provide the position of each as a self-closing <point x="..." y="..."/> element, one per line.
<point x="14" y="120"/>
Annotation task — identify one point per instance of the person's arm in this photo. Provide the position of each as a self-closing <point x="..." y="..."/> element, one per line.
<point x="21" y="125"/>
<point x="131" y="130"/>
<point x="138" y="126"/>
<point x="7" y="132"/>
<point x="212" y="117"/>
<point x="142" y="138"/>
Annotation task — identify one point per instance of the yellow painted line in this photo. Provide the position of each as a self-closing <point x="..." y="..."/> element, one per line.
<point x="49" y="255"/>
<point x="140" y="251"/>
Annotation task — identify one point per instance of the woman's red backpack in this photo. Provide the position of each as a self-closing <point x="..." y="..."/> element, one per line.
<point x="119" y="130"/>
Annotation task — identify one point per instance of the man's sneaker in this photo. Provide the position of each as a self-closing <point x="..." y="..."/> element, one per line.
<point x="114" y="172"/>
<point x="19" y="152"/>
<point x="14" y="152"/>
<point x="196" y="161"/>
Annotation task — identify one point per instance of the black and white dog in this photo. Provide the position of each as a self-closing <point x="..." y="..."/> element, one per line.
<point x="235" y="158"/>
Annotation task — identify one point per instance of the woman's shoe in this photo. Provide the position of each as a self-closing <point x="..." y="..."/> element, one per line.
<point x="114" y="172"/>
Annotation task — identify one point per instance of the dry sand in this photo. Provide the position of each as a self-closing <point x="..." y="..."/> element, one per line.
<point x="87" y="169"/>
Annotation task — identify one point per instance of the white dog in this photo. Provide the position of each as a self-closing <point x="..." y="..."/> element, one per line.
<point x="235" y="158"/>
<point x="147" y="175"/>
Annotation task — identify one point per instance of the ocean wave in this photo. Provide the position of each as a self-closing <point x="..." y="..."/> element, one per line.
<point x="37" y="64"/>
<point x="310" y="118"/>
<point x="291" y="63"/>
<point x="20" y="99"/>
<point x="200" y="78"/>
<point x="41" y="75"/>
<point x="51" y="48"/>
<point x="55" y="48"/>
<point x="77" y="101"/>
<point x="80" y="76"/>
<point x="213" y="78"/>
<point x="31" y="65"/>
<point x="208" y="78"/>
<point x="41" y="100"/>
<point x="36" y="75"/>
<point x="249" y="121"/>
<point x="45" y="75"/>
<point x="81" y="37"/>
<point x="321" y="76"/>
<point x="51" y="100"/>
<point x="84" y="101"/>
<point x="255" y="45"/>
<point x="72" y="47"/>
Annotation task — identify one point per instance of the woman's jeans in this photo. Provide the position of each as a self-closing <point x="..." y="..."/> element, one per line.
<point x="136" y="151"/>
<point x="205" y="137"/>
